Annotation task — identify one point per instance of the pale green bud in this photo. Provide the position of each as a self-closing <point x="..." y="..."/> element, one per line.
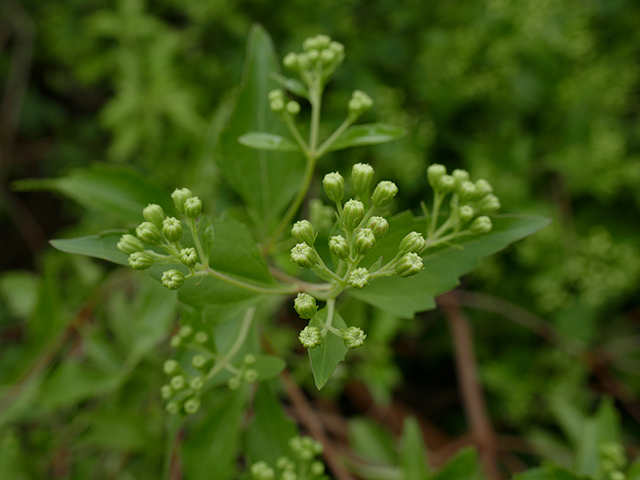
<point x="322" y="41"/>
<point x="192" y="207"/>
<point x="129" y="244"/>
<point x="250" y="376"/>
<point x="303" y="255"/>
<point x="365" y="239"/>
<point x="303" y="61"/>
<point x="291" y="61"/>
<point x="434" y="173"/>
<point x="173" y="407"/>
<point x="172" y="229"/>
<point x="310" y="337"/>
<point x="384" y="193"/>
<point x="289" y="475"/>
<point x="361" y="178"/>
<point x="293" y="107"/>
<point x="233" y="383"/>
<point x="172" y="279"/>
<point x="337" y="47"/>
<point x="305" y="305"/>
<point x="196" y="383"/>
<point x="409" y="265"/>
<point x="617" y="475"/>
<point x="466" y="213"/>
<point x="379" y="226"/>
<point x="353" y="337"/>
<point x="249" y="359"/>
<point x="140" y="260"/>
<point x="201" y="337"/>
<point x="466" y="191"/>
<point x="359" y="278"/>
<point x="199" y="361"/>
<point x="176" y="341"/>
<point x="483" y="188"/>
<point x="333" y="184"/>
<point x="317" y="469"/>
<point x="180" y="196"/>
<point x="310" y="44"/>
<point x="488" y="204"/>
<point x="327" y="56"/>
<point x="303" y="232"/>
<point x="171" y="367"/>
<point x="189" y="257"/>
<point x="481" y="225"/>
<point x="153" y="213"/>
<point x="339" y="247"/>
<point x="262" y="471"/>
<point x="413" y="242"/>
<point x="166" y="392"/>
<point x="149" y="233"/>
<point x="352" y="213"/>
<point x="185" y="331"/>
<point x="178" y="382"/>
<point x="313" y="55"/>
<point x="274" y="94"/>
<point x="277" y="105"/>
<point x="460" y="176"/>
<point x="360" y="102"/>
<point x="192" y="406"/>
<point x="283" y="463"/>
<point x="446" y="184"/>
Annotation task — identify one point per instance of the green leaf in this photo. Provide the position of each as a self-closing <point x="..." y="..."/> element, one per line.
<point x="293" y="85"/>
<point x="463" y="466"/>
<point x="267" y="141"/>
<point x="326" y="357"/>
<point x="602" y="428"/>
<point x="371" y="441"/>
<point x="103" y="245"/>
<point x="266" y="181"/>
<point x="118" y="191"/>
<point x="268" y="367"/>
<point x="270" y="430"/>
<point x="633" y="472"/>
<point x="413" y="452"/>
<point x="404" y="297"/>
<point x="368" y="134"/>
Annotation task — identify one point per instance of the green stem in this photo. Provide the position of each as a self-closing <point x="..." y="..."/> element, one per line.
<point x="242" y="336"/>
<point x="335" y="135"/>
<point x="328" y="325"/>
<point x="296" y="133"/>
<point x="437" y="200"/>
<point x="204" y="258"/>
<point x="279" y="290"/>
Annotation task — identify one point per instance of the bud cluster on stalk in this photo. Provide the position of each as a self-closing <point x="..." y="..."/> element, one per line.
<point x="165" y="233"/>
<point x="303" y="465"/>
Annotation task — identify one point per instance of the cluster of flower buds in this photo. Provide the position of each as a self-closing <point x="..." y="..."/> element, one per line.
<point x="303" y="466"/>
<point x="164" y="233"/>
<point x="612" y="461"/>
<point x="279" y="103"/>
<point x="319" y="60"/>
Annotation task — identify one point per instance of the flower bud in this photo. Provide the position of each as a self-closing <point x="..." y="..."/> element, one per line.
<point x="379" y="226"/>
<point x="306" y="306"/>
<point x="414" y="242"/>
<point x="333" y="184"/>
<point x="460" y="176"/>
<point x="303" y="232"/>
<point x="185" y="331"/>
<point x="483" y="188"/>
<point x="310" y="337"/>
<point x="233" y="383"/>
<point x="293" y="107"/>
<point x="303" y="255"/>
<point x="409" y="265"/>
<point x="171" y="367"/>
<point x="384" y="193"/>
<point x="149" y="233"/>
<point x="466" y="213"/>
<point x="337" y="47"/>
<point x="172" y="279"/>
<point x="250" y="376"/>
<point x="197" y="383"/>
<point x="310" y="44"/>
<point x="129" y="244"/>
<point x="359" y="278"/>
<point x="283" y="463"/>
<point x="249" y="359"/>
<point x="274" y="94"/>
<point x="180" y="196"/>
<point x="466" y="191"/>
<point x="446" y="184"/>
<point x="189" y="257"/>
<point x="178" y="382"/>
<point x="291" y="61"/>
<point x="317" y="469"/>
<point x="173" y="407"/>
<point x="434" y="173"/>
<point x="303" y="61"/>
<point x="262" y="471"/>
<point x="289" y="475"/>
<point x="313" y="55"/>
<point x="327" y="56"/>
<point x="353" y="337"/>
<point x="192" y="207"/>
<point x="352" y="213"/>
<point x="361" y="177"/>
<point x="199" y="361"/>
<point x="153" y="213"/>
<point x="140" y="260"/>
<point x="277" y="105"/>
<point x="201" y="337"/>
<point x="360" y="102"/>
<point x="166" y="392"/>
<point x="339" y="247"/>
<point x="192" y="406"/>
<point x="322" y="41"/>
<point x="176" y="341"/>
<point x="481" y="225"/>
<point x="172" y="229"/>
<point x="488" y="204"/>
<point x="364" y="242"/>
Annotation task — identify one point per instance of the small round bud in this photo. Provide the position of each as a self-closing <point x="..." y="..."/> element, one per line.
<point x="339" y="247"/>
<point x="140" y="260"/>
<point x="293" y="107"/>
<point x="262" y="471"/>
<point x="337" y="47"/>
<point x="196" y="383"/>
<point x="310" y="337"/>
<point x="129" y="244"/>
<point x="322" y="41"/>
<point x="180" y="196"/>
<point x="250" y="376"/>
<point x="317" y="447"/>
<point x="192" y="207"/>
<point x="379" y="226"/>
<point x="359" y="278"/>
<point x="192" y="406"/>
<point x="291" y="61"/>
<point x="481" y="225"/>
<point x="617" y="475"/>
<point x="201" y="337"/>
<point x="283" y="463"/>
<point x="466" y="213"/>
<point x="153" y="213"/>
<point x="303" y="255"/>
<point x="488" y="204"/>
<point x="172" y="279"/>
<point x="171" y="367"/>
<point x="289" y="475"/>
<point x="317" y="469"/>
<point x="166" y="392"/>
<point x="409" y="265"/>
<point x="353" y="337"/>
<point x="313" y="55"/>
<point x="277" y="105"/>
<point x="189" y="257"/>
<point x="361" y="178"/>
<point x="446" y="184"/>
<point x="149" y="233"/>
<point x="460" y="176"/>
<point x="360" y="102"/>
<point x="310" y="44"/>
<point x="176" y="341"/>
<point x="185" y="331"/>
<point x="384" y="193"/>
<point x="199" y="361"/>
<point x="233" y="383"/>
<point x="414" y="242"/>
<point x="333" y="184"/>
<point x="352" y="213"/>
<point x="173" y="407"/>
<point x="303" y="61"/>
<point x="178" y="382"/>
<point x="483" y="188"/>
<point x="306" y="306"/>
<point x="327" y="56"/>
<point x="249" y="359"/>
<point x="172" y="229"/>
<point x="365" y="239"/>
<point x="466" y="191"/>
<point x="273" y="94"/>
<point x="434" y="172"/>
<point x="303" y="232"/>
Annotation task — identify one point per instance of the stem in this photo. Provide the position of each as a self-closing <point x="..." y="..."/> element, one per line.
<point x="437" y="200"/>
<point x="335" y="135"/>
<point x="280" y="289"/>
<point x="316" y="103"/>
<point x="194" y="231"/>
<point x="296" y="133"/>
<point x="242" y="336"/>
<point x="331" y="304"/>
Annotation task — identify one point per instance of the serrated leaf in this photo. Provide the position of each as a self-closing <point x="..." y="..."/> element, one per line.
<point x="368" y="134"/>
<point x="103" y="245"/>
<point x="404" y="297"/>
<point x="293" y="85"/>
<point x="267" y="141"/>
<point x="413" y="452"/>
<point x="326" y="357"/>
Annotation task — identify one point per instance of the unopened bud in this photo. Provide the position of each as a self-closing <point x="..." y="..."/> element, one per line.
<point x="293" y="107"/>
<point x="149" y="233"/>
<point x="189" y="257"/>
<point x="172" y="229"/>
<point x="306" y="306"/>
<point x="310" y="44"/>
<point x="250" y="376"/>
<point x="337" y="47"/>
<point x="192" y="207"/>
<point x="185" y="331"/>
<point x="466" y="191"/>
<point x="409" y="265"/>
<point x="176" y="341"/>
<point x="460" y="176"/>
<point x="322" y="41"/>
<point x="273" y="94"/>
<point x="365" y="239"/>
<point x="333" y="184"/>
<point x="353" y="337"/>
<point x="199" y="361"/>
<point x="171" y="367"/>
<point x="140" y="260"/>
<point x="173" y="407"/>
<point x="277" y="105"/>
<point x="197" y="383"/>
<point x="233" y="383"/>
<point x="166" y="392"/>
<point x="310" y="337"/>
<point x="466" y="213"/>
<point x="361" y="177"/>
<point x="488" y="204"/>
<point x="446" y="184"/>
<point x="317" y="469"/>
<point x="180" y="196"/>
<point x="262" y="471"/>
<point x="483" y="188"/>
<point x="291" y="61"/>
<point x="201" y="337"/>
<point x="360" y="102"/>
<point x="172" y="279"/>
<point x="313" y="55"/>
<point x="481" y="225"/>
<point x="339" y="247"/>
<point x="153" y="213"/>
<point x="384" y="193"/>
<point x="303" y="255"/>
<point x="327" y="56"/>
<point x="414" y="242"/>
<point x="129" y="244"/>
<point x="359" y="278"/>
<point x="352" y="213"/>
<point x="434" y="173"/>
<point x="249" y="359"/>
<point x="303" y="232"/>
<point x="192" y="406"/>
<point x="178" y="382"/>
<point x="303" y="61"/>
